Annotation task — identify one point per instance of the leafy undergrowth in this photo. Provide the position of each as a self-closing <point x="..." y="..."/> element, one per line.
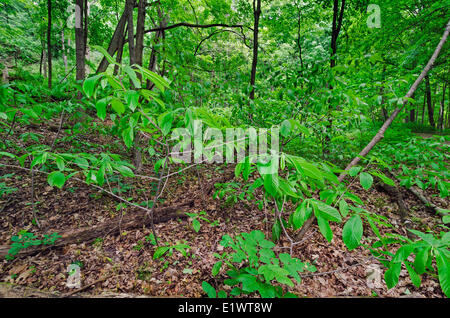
<point x="128" y="260"/>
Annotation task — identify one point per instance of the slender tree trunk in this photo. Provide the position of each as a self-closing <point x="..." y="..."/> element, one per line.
<point x="119" y="52"/>
<point x="336" y="29"/>
<point x="87" y="51"/>
<point x="158" y="36"/>
<point x="44" y="64"/>
<point x="423" y="108"/>
<point x="412" y="114"/>
<point x="116" y="39"/>
<point x="79" y="42"/>
<point x="429" y="102"/>
<point x="441" y="108"/>
<point x="256" y="14"/>
<point x="140" y="30"/>
<point x="338" y="16"/>
<point x="130" y="25"/>
<point x="49" y="42"/>
<point x="63" y="50"/>
<point x="41" y="61"/>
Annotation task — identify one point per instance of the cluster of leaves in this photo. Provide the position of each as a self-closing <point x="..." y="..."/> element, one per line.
<point x="432" y="256"/>
<point x="254" y="267"/>
<point x="420" y="161"/>
<point x="24" y="239"/>
<point x="200" y="216"/>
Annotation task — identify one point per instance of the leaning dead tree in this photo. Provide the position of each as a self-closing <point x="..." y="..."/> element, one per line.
<point x="380" y="133"/>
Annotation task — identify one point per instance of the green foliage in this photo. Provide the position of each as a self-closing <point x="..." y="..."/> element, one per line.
<point x="254" y="267"/>
<point x="428" y="248"/>
<point x="24" y="239"/>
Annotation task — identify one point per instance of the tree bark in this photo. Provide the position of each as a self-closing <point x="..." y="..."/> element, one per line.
<point x="140" y="31"/>
<point x="79" y="41"/>
<point x="256" y="15"/>
<point x="129" y="6"/>
<point x="441" y="108"/>
<point x="115" y="41"/>
<point x="338" y="16"/>
<point x="63" y="50"/>
<point x="429" y="102"/>
<point x="49" y="42"/>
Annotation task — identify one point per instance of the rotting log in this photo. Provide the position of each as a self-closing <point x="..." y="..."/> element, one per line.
<point x="86" y="234"/>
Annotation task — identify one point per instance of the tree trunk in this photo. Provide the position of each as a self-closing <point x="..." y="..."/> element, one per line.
<point x="429" y="102"/>
<point x="256" y="14"/>
<point x="63" y="50"/>
<point x="79" y="42"/>
<point x="116" y="39"/>
<point x="129" y="6"/>
<point x="336" y="29"/>
<point x="140" y="30"/>
<point x="441" y="109"/>
<point x="49" y="42"/>
<point x="85" y="35"/>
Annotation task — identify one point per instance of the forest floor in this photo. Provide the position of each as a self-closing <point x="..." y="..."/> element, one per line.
<point x="124" y="263"/>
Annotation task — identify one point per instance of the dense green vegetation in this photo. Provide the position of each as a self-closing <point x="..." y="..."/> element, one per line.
<point x="124" y="102"/>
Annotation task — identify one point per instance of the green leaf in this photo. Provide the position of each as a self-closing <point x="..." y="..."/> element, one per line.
<point x="132" y="99"/>
<point x="101" y="108"/>
<point x="165" y="122"/>
<point x="160" y="251"/>
<point x="196" y="225"/>
<point x="118" y="106"/>
<point x="442" y="263"/>
<point x="132" y="74"/>
<point x="56" y="178"/>
<point x="383" y="178"/>
<point x="414" y="277"/>
<point x="352" y="232"/>
<point x="301" y="214"/>
<point x="326" y="211"/>
<point x="125" y="171"/>
<point x="216" y="268"/>
<point x="343" y="207"/>
<point x="285" y="128"/>
<point x="421" y="260"/>
<point x="105" y="53"/>
<point x="366" y="180"/>
<point x="354" y="171"/>
<point x="392" y="274"/>
<point x="209" y="290"/>
<point x="89" y="85"/>
<point x="325" y="228"/>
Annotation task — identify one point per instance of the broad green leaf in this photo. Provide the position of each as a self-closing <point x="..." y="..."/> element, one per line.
<point x="209" y="290"/>
<point x="392" y="274"/>
<point x="352" y="232"/>
<point x="216" y="268"/>
<point x="414" y="277"/>
<point x="57" y="179"/>
<point x="326" y="211"/>
<point x="118" y="106"/>
<point x="343" y="207"/>
<point x="366" y="180"/>
<point x="325" y="228"/>
<point x="442" y="263"/>
<point x="132" y="74"/>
